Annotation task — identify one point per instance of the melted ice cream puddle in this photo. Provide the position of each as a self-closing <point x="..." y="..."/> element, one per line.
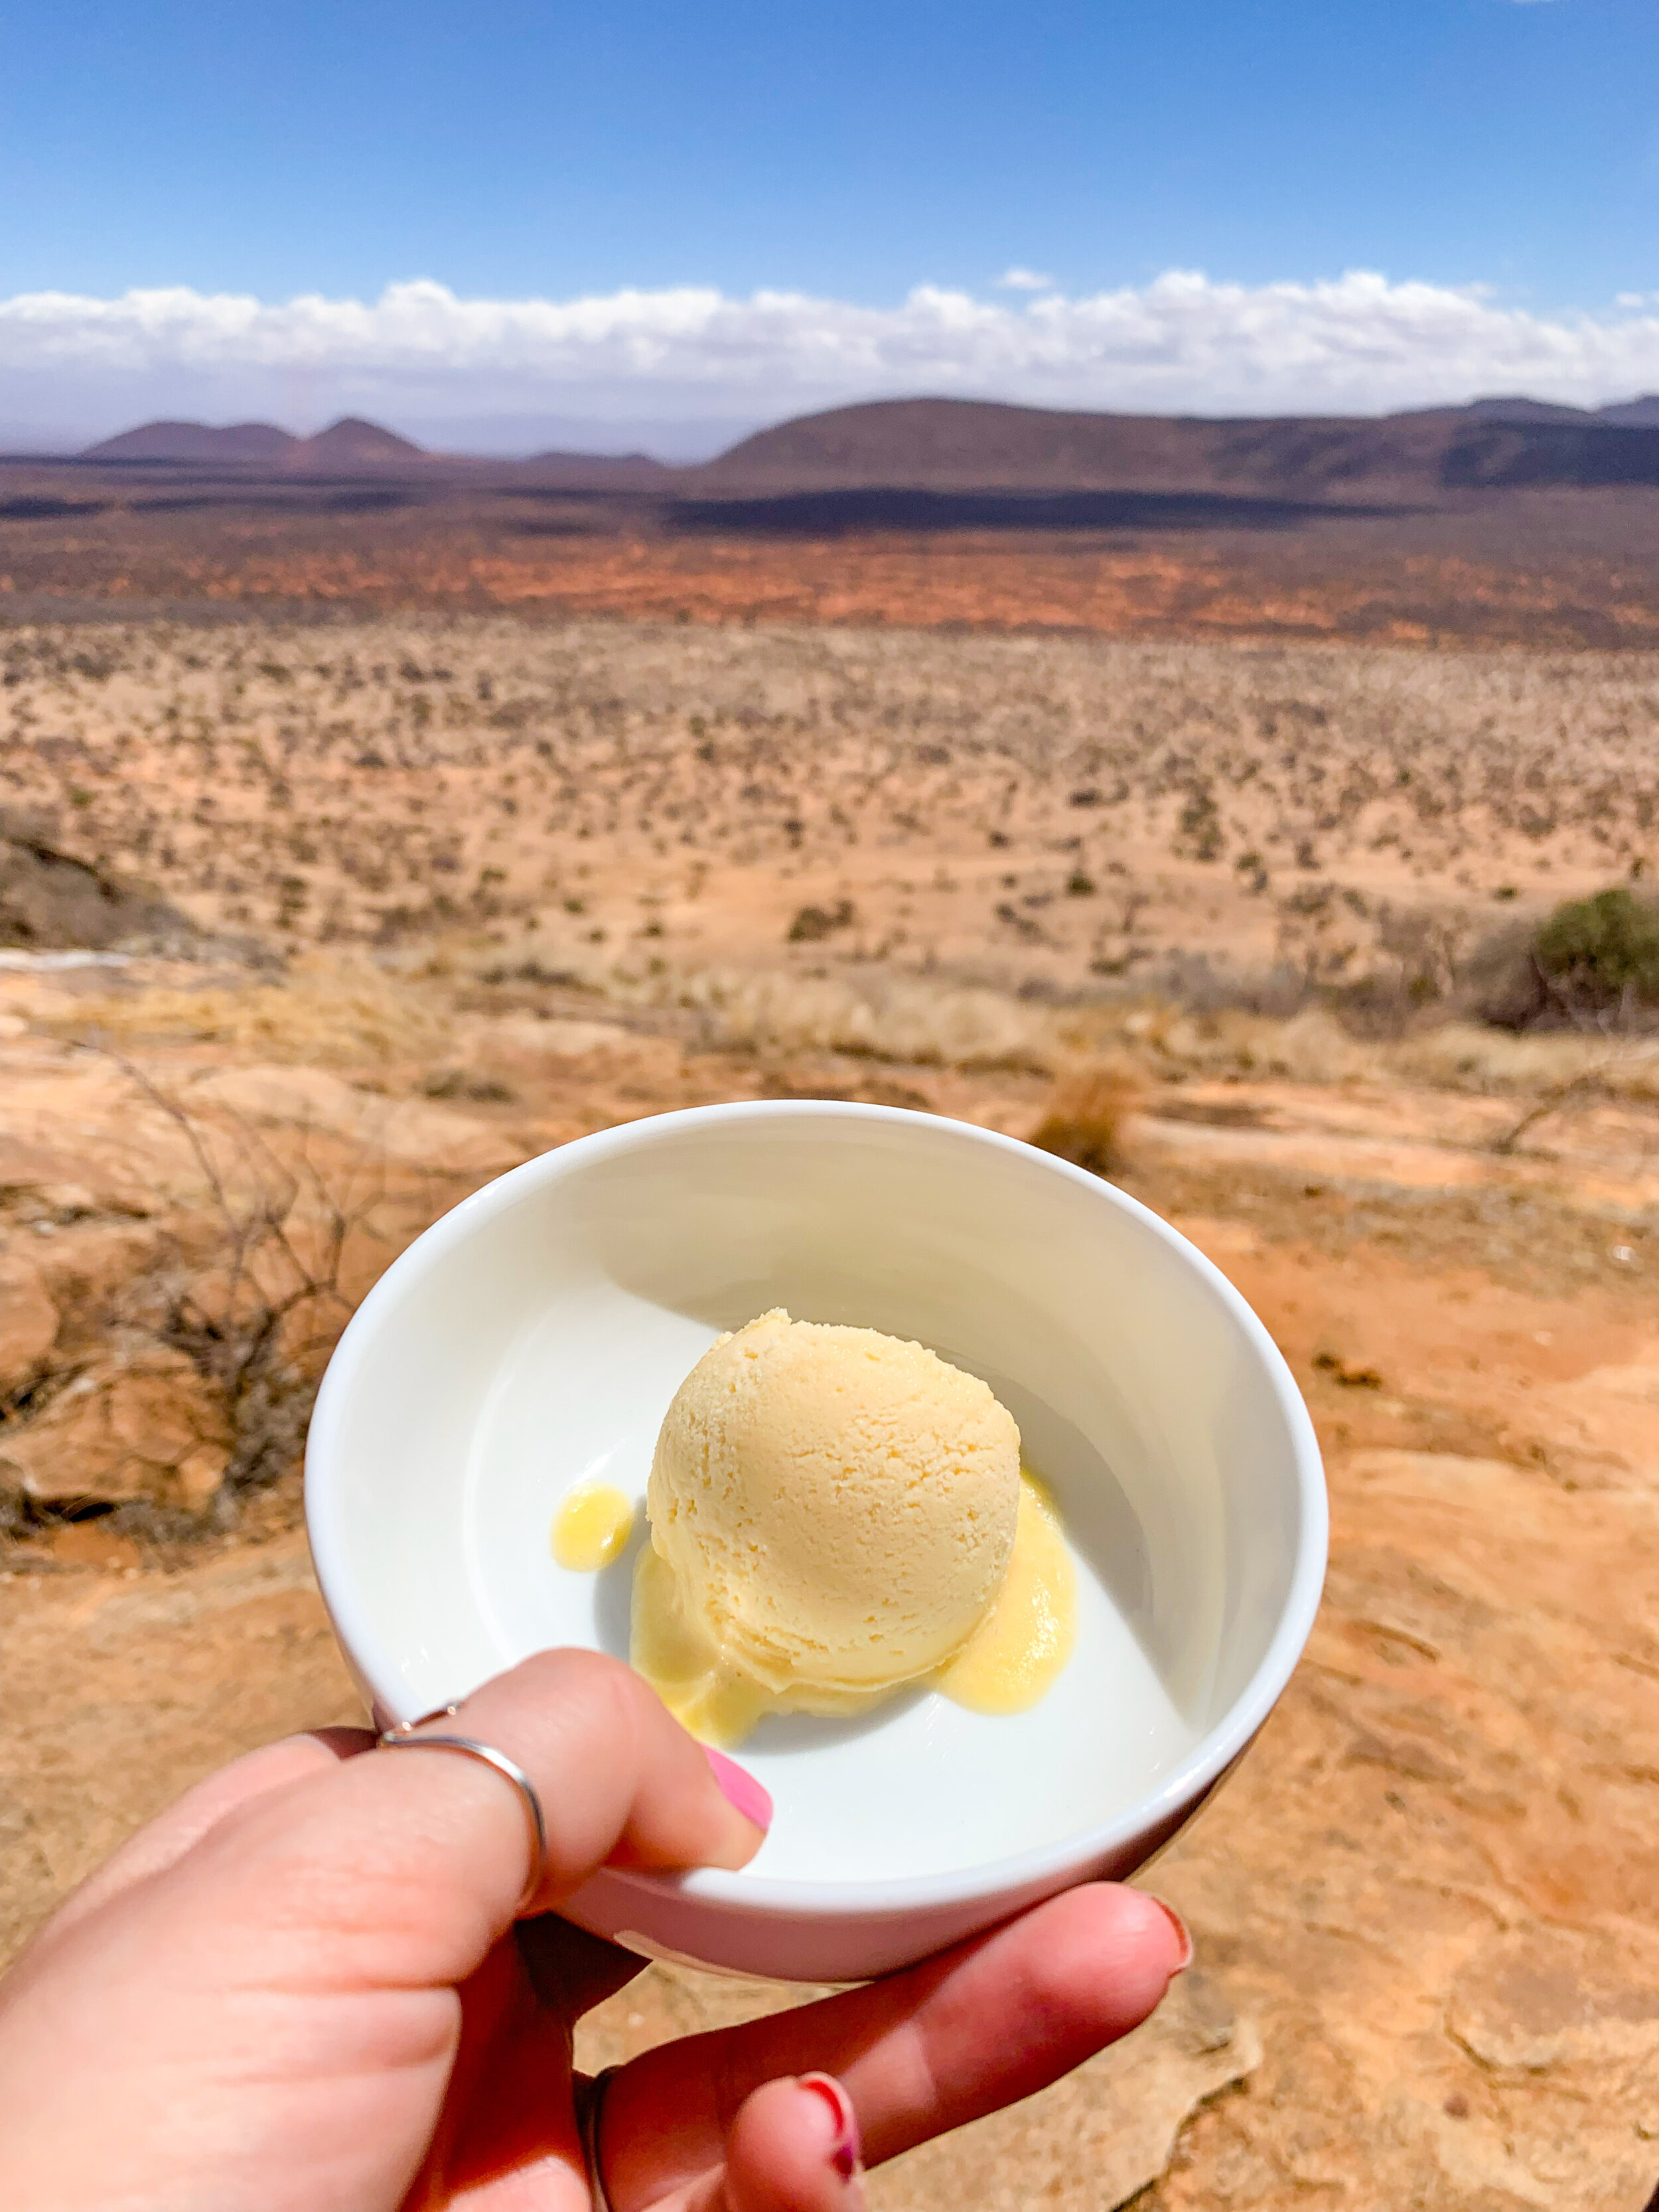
<point x="1025" y="1639"/>
<point x="592" y="1527"/>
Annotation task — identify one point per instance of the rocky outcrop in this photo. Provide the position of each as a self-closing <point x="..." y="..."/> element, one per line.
<point x="50" y="902"/>
<point x="176" y="1258"/>
<point x="29" y="1324"/>
<point x="149" y="1425"/>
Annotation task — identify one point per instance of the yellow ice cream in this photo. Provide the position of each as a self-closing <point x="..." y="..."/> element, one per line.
<point x="832" y="1515"/>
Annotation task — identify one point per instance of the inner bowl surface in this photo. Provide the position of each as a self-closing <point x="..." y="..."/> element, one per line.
<point x="534" y="1337"/>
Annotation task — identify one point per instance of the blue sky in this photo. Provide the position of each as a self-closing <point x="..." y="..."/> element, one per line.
<point x="847" y="153"/>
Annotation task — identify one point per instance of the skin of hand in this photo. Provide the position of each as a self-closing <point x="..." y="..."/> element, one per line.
<point x="302" y="1990"/>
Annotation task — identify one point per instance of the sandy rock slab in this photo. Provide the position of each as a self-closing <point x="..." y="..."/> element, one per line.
<point x="1099" y="2138"/>
<point x="121" y="1691"/>
<point x="308" y="1098"/>
<point x="1431" y="1883"/>
<point x="29" y="1323"/>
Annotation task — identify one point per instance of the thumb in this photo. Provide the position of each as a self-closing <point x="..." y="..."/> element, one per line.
<point x="794" y="2147"/>
<point x="296" y="1965"/>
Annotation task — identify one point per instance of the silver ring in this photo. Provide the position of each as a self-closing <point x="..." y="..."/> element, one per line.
<point x="403" y="1738"/>
<point x="587" y="2127"/>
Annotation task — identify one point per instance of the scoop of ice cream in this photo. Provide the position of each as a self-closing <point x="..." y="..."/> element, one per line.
<point x="837" y="1509"/>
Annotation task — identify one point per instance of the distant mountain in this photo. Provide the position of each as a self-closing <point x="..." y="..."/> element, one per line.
<point x="956" y="445"/>
<point x="946" y="448"/>
<point x="1590" y="454"/>
<point x="951" y="444"/>
<point x="350" y="444"/>
<point x="562" y="471"/>
<point x="1641" y="414"/>
<point x="1517" y="408"/>
<point x="259" y="443"/>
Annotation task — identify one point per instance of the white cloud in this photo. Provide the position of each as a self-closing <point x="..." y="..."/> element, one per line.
<point x="1355" y="344"/>
<point x="1024" y="280"/>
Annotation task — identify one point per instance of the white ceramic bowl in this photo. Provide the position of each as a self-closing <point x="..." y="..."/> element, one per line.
<point x="535" y="1336"/>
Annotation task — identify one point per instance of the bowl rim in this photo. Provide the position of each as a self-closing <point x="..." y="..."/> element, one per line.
<point x="755" y="1895"/>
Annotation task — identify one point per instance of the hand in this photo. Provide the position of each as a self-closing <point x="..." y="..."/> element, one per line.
<point x="301" y="1989"/>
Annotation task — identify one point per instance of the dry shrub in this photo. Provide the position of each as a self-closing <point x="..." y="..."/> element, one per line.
<point x="1087" y="1116"/>
<point x="1590" y="964"/>
<point x="185" y="1387"/>
<point x="1599" y="957"/>
<point x="813" y="922"/>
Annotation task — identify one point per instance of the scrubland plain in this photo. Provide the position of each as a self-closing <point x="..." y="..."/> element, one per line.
<point x="1041" y="815"/>
<point x="1229" y="919"/>
<point x="1409" y="564"/>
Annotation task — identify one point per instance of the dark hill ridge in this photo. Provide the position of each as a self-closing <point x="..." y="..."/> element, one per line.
<point x="958" y="446"/>
<point x="560" y="471"/>
<point x="349" y="444"/>
<point x="1628" y="413"/>
<point x="1515" y="407"/>
<point x="354" y="447"/>
<point x="259" y="443"/>
<point x="951" y="449"/>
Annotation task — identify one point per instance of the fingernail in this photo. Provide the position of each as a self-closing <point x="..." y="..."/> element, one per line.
<point x="846" y="2150"/>
<point x="740" y="1788"/>
<point x="1181" y="1929"/>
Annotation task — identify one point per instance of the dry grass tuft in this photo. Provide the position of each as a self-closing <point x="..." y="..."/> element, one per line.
<point x="1461" y="1057"/>
<point x="320" y="1015"/>
<point x="919" y="1021"/>
<point x="1087" y="1114"/>
<point x="880" y="1016"/>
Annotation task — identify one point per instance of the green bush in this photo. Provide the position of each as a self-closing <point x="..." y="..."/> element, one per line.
<point x="1601" y="953"/>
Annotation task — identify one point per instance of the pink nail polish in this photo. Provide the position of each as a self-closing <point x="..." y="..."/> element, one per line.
<point x="1181" y="1930"/>
<point x="847" y="2152"/>
<point x="740" y="1788"/>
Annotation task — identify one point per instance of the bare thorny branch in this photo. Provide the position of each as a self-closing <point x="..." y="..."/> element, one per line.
<point x="1624" y="1055"/>
<point x="239" y="1336"/>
